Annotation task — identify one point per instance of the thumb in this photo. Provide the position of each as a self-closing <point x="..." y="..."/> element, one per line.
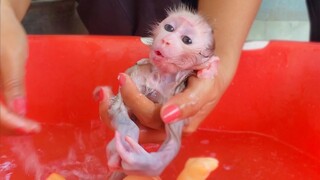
<point x="14" y="51"/>
<point x="12" y="76"/>
<point x="12" y="124"/>
<point x="14" y="88"/>
<point x="187" y="103"/>
<point x="143" y="108"/>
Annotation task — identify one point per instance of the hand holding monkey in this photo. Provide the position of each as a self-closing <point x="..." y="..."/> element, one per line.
<point x="183" y="46"/>
<point x="196" y="55"/>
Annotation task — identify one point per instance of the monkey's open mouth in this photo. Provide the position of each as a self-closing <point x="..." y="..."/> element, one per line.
<point x="158" y="53"/>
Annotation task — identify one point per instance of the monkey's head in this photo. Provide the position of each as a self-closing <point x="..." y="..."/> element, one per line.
<point x="184" y="40"/>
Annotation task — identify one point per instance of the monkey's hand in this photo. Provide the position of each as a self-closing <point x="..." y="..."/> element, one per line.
<point x="114" y="160"/>
<point x="103" y="94"/>
<point x="210" y="70"/>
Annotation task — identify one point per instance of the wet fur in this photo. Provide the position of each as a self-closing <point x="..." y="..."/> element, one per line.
<point x="124" y="153"/>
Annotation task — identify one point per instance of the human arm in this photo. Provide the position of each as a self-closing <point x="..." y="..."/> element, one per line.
<point x="13" y="54"/>
<point x="231" y="21"/>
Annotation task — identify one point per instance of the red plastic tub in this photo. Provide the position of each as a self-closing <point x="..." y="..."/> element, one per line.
<point x="266" y="126"/>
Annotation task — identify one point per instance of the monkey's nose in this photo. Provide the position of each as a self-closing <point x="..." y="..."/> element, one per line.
<point x="166" y="42"/>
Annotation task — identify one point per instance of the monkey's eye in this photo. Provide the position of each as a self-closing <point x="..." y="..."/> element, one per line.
<point x="186" y="40"/>
<point x="168" y="28"/>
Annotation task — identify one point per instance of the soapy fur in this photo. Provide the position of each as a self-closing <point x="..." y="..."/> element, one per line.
<point x="183" y="45"/>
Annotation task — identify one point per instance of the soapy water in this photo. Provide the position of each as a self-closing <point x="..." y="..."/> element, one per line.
<point x="247" y="155"/>
<point x="64" y="149"/>
<point x="78" y="152"/>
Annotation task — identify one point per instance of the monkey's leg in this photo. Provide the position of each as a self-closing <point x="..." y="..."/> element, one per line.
<point x="122" y="123"/>
<point x="135" y="160"/>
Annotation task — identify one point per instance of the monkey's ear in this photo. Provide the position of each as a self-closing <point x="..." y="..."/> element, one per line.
<point x="208" y="52"/>
<point x="211" y="68"/>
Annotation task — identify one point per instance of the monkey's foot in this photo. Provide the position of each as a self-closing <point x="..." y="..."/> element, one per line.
<point x="114" y="160"/>
<point x="135" y="160"/>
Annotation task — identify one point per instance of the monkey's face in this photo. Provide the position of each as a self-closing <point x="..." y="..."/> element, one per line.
<point x="181" y="42"/>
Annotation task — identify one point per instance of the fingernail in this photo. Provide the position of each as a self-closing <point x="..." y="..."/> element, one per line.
<point x="19" y="105"/>
<point x="20" y="131"/>
<point x="122" y="79"/>
<point x="171" y="113"/>
<point x="36" y="128"/>
<point x="100" y="95"/>
<point x="26" y="132"/>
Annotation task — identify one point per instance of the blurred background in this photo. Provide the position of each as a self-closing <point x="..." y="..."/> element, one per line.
<point x="281" y="19"/>
<point x="277" y="19"/>
<point x="53" y="17"/>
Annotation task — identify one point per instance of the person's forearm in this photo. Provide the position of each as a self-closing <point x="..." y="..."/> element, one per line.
<point x="12" y="33"/>
<point x="19" y="7"/>
<point x="231" y="21"/>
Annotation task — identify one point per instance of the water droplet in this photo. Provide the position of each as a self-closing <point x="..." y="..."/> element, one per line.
<point x="205" y="141"/>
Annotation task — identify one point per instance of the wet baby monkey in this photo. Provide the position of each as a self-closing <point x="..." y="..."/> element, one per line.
<point x="183" y="45"/>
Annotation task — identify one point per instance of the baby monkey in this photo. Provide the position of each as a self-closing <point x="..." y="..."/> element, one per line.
<point x="182" y="45"/>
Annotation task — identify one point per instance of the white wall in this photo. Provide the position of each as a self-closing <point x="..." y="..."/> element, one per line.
<point x="281" y="20"/>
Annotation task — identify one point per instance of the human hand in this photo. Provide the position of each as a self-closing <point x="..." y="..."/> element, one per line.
<point x="194" y="103"/>
<point x="13" y="107"/>
<point x="15" y="124"/>
<point x="147" y="108"/>
<point x="12" y="70"/>
<point x="201" y="95"/>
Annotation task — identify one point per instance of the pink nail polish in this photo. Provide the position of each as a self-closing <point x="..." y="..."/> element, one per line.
<point x="171" y="113"/>
<point x="100" y="95"/>
<point x="20" y="131"/>
<point x="19" y="105"/>
<point x="33" y="129"/>
<point x="23" y="131"/>
<point x="122" y="79"/>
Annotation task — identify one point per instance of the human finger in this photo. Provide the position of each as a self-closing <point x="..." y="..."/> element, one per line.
<point x="186" y="104"/>
<point x="14" y="53"/>
<point x="144" y="109"/>
<point x="147" y="135"/>
<point x="11" y="123"/>
<point x="194" y="121"/>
